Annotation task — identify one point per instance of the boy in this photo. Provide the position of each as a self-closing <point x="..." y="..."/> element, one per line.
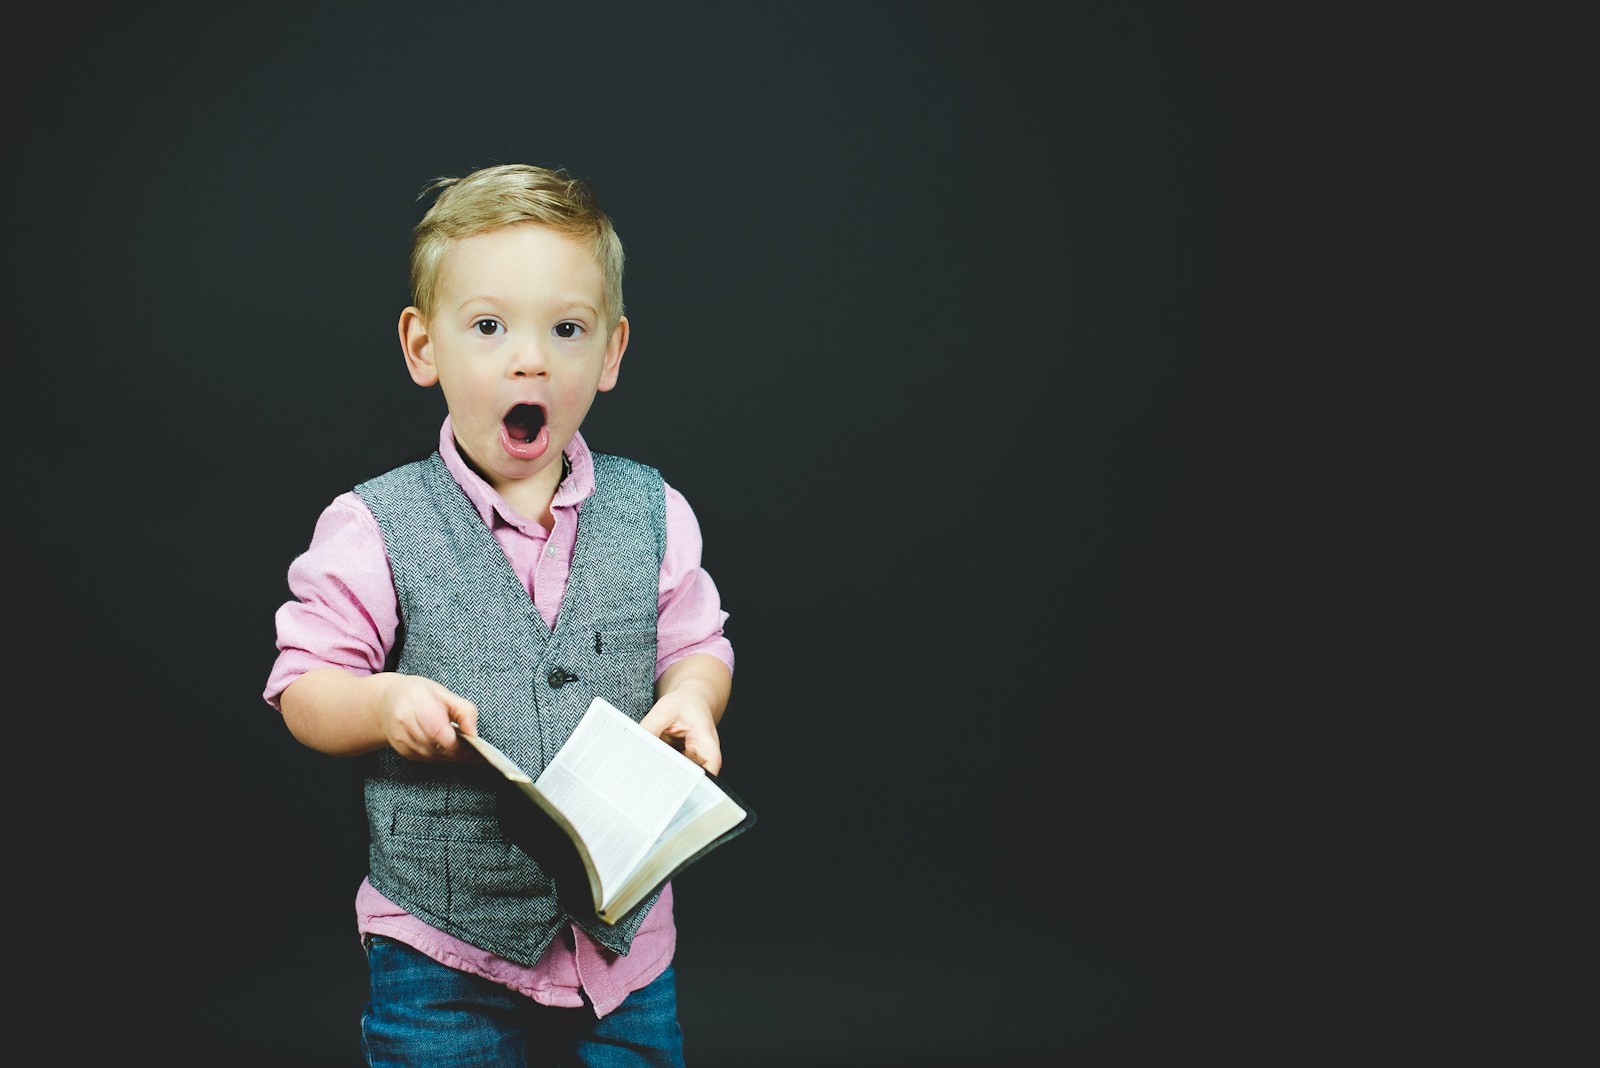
<point x="498" y="585"/>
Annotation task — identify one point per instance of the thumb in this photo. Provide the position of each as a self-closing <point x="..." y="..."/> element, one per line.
<point x="463" y="715"/>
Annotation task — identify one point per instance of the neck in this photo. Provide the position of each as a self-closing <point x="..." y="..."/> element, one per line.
<point x="531" y="497"/>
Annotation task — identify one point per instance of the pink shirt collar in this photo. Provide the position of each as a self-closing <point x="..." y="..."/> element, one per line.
<point x="573" y="491"/>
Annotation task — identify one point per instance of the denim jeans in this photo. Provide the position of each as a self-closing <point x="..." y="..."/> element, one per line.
<point x="422" y="1013"/>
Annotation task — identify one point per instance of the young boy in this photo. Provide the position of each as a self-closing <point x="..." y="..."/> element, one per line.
<point x="495" y="587"/>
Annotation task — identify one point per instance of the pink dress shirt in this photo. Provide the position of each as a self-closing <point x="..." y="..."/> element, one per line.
<point x="345" y="615"/>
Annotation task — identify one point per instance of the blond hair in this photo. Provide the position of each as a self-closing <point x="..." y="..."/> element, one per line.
<point x="505" y="195"/>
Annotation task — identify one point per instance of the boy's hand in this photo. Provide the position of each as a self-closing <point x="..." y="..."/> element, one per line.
<point x="683" y="719"/>
<point x="419" y="719"/>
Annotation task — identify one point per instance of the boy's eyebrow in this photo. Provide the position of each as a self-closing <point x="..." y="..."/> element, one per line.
<point x="571" y="302"/>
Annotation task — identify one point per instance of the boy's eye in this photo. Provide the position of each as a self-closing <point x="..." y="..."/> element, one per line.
<point x="487" y="327"/>
<point x="568" y="329"/>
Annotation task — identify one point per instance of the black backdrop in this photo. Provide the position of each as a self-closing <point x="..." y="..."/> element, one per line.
<point x="968" y="332"/>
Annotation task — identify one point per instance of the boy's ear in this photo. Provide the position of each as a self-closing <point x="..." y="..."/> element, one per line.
<point x="615" y="347"/>
<point x="414" y="343"/>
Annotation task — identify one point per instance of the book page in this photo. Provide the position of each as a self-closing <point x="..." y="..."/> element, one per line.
<point x="702" y="799"/>
<point x="706" y="813"/>
<point x="619" y="786"/>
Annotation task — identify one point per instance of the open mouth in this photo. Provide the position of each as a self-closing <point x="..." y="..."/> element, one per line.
<point x="524" y="422"/>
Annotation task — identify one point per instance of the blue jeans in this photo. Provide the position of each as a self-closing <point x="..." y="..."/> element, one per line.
<point x="422" y="1013"/>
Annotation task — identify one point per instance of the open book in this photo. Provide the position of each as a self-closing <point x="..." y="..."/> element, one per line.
<point x="637" y="810"/>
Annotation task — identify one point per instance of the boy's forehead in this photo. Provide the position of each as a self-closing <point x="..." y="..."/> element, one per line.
<point x="521" y="252"/>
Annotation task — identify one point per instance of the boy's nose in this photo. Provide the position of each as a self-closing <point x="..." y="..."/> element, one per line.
<point x="527" y="360"/>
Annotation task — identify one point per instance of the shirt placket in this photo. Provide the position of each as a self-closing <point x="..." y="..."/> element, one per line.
<point x="551" y="570"/>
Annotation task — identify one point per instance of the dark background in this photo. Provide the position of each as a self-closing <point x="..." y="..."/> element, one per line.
<point x="978" y="340"/>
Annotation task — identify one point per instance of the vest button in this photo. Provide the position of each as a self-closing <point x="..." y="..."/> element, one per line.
<point x="559" y="678"/>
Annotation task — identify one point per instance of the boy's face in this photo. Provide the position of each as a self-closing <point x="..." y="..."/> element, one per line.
<point x="518" y="346"/>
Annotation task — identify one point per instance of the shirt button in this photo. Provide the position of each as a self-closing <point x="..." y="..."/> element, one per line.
<point x="549" y="550"/>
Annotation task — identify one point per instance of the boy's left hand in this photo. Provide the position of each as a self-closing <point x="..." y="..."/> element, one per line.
<point x="683" y="719"/>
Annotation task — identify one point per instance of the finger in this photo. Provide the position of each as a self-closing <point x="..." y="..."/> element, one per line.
<point x="710" y="760"/>
<point x="465" y="715"/>
<point x="448" y="744"/>
<point x="704" y="748"/>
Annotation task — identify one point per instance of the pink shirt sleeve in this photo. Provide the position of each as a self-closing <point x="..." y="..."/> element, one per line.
<point x="343" y="613"/>
<point x="689" y="615"/>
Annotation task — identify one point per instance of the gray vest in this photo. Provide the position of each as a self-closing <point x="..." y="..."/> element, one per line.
<point x="437" y="845"/>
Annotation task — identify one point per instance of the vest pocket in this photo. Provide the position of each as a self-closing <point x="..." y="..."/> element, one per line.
<point x="481" y="866"/>
<point x="626" y="657"/>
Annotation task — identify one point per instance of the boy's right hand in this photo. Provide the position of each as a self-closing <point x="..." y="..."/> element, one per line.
<point x="419" y="719"/>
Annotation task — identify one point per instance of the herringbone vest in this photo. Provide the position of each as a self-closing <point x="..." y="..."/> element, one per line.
<point x="437" y="844"/>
